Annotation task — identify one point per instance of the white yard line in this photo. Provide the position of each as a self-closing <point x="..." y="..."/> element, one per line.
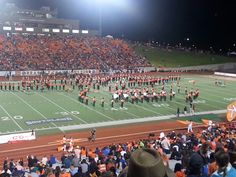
<point x="61" y="107"/>
<point x="11" y="117"/>
<point x="126" y="111"/>
<point x="76" y="101"/>
<point x="150" y="110"/>
<point x="33" y="108"/>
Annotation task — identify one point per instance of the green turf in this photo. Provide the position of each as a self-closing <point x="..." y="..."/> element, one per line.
<point x="174" y="58"/>
<point x="18" y="107"/>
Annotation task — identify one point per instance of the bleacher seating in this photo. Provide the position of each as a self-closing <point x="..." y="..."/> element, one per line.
<point x="33" y="52"/>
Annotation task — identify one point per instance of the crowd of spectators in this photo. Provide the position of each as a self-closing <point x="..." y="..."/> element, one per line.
<point x="207" y="153"/>
<point x="55" y="52"/>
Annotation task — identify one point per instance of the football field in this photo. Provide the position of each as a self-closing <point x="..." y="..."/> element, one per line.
<point x="50" y="111"/>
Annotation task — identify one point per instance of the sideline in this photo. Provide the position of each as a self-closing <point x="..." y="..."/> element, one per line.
<point x="49" y="144"/>
<point x="139" y="120"/>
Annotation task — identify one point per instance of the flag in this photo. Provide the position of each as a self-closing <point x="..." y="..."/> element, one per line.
<point x="231" y="111"/>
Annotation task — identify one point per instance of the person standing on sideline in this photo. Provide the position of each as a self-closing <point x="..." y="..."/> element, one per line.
<point x="190" y="126"/>
<point x="178" y="112"/>
<point x="102" y="102"/>
<point x="185" y="110"/>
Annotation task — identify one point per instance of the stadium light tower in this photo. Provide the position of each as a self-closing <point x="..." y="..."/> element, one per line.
<point x="106" y="4"/>
<point x="101" y="4"/>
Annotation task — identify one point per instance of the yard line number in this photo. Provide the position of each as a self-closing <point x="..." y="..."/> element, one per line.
<point x="6" y="118"/>
<point x="68" y="113"/>
<point x="161" y="105"/>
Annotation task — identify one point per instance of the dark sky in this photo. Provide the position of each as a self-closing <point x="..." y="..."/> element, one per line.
<point x="205" y="22"/>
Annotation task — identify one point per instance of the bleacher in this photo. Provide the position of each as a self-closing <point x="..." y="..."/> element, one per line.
<point x="33" y="52"/>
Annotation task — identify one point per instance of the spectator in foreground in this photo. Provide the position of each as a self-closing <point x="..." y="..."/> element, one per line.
<point x="147" y="163"/>
<point x="198" y="163"/>
<point x="179" y="170"/>
<point x="225" y="169"/>
<point x="232" y="157"/>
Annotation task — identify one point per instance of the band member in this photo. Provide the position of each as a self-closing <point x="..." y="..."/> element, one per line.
<point x="116" y="86"/>
<point x="86" y="100"/>
<point x="178" y="112"/>
<point x="112" y="103"/>
<point x="132" y="99"/>
<point x="122" y="103"/>
<point x="185" y="110"/>
<point x="109" y="87"/>
<point x="94" y="101"/>
<point x="164" y="96"/>
<point x="178" y="88"/>
<point x="186" y="91"/>
<point x="141" y="98"/>
<point x="171" y="95"/>
<point x="102" y="102"/>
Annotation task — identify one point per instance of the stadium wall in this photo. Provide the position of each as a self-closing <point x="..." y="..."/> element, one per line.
<point x="225" y="67"/>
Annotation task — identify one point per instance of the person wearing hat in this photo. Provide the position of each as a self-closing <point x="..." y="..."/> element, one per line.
<point x="147" y="163"/>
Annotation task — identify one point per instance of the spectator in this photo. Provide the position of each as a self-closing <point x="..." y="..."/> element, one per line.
<point x="148" y="163"/>
<point x="224" y="167"/>
<point x="179" y="170"/>
<point x="232" y="157"/>
<point x="84" y="168"/>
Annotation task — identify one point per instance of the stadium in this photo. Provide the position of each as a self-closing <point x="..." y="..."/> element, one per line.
<point x="77" y="101"/>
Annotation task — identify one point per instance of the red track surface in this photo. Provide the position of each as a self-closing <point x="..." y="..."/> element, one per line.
<point x="47" y="145"/>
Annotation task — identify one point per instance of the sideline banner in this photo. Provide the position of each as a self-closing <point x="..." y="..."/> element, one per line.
<point x="17" y="137"/>
<point x="231" y="112"/>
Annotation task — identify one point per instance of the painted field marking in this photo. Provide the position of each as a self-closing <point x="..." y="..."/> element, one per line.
<point x="11" y="117"/>
<point x="121" y="109"/>
<point x="144" y="108"/>
<point x="76" y="101"/>
<point x="102" y="138"/>
<point x="229" y="99"/>
<point x="33" y="108"/>
<point x="62" y="108"/>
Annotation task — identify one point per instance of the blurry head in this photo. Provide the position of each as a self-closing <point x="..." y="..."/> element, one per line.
<point x="147" y="163"/>
<point x="204" y="148"/>
<point x="178" y="167"/>
<point x="222" y="159"/>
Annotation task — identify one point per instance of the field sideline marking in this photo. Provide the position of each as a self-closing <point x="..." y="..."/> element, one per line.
<point x="35" y="109"/>
<point x="91" y="125"/>
<point x="11" y="117"/>
<point x="76" y="101"/>
<point x="61" y="107"/>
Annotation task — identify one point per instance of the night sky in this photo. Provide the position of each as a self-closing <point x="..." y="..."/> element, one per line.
<point x="205" y="22"/>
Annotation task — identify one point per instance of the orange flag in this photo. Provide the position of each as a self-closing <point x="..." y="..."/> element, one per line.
<point x="231" y="112"/>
